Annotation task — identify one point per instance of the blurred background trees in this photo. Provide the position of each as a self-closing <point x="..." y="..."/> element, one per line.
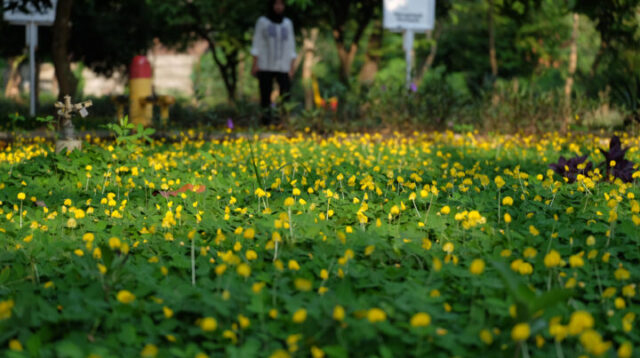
<point x="500" y="64"/>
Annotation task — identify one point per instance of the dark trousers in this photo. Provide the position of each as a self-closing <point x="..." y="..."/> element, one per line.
<point x="265" y="78"/>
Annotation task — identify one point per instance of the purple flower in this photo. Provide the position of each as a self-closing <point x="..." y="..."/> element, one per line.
<point x="229" y="123"/>
<point x="383" y="88"/>
<point x="414" y="87"/>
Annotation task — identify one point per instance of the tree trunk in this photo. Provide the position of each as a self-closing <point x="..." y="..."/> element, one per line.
<point x="231" y="69"/>
<point x="343" y="12"/>
<point x="241" y="77"/>
<point x="598" y="59"/>
<point x="309" y="48"/>
<point x="345" y="55"/>
<point x="573" y="61"/>
<point x="36" y="85"/>
<point x="60" y="49"/>
<point x="12" y="90"/>
<point x="433" y="51"/>
<point x="374" y="47"/>
<point x="492" y="42"/>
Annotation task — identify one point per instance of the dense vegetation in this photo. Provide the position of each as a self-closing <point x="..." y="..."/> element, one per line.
<point x="500" y="64"/>
<point x="427" y="245"/>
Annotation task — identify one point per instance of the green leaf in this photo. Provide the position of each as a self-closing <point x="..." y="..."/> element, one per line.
<point x="550" y="298"/>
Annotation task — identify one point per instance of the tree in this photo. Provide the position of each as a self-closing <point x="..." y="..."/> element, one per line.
<point x="573" y="62"/>
<point x="226" y="25"/>
<point x="98" y="33"/>
<point x="67" y="83"/>
<point x="373" y="54"/>
<point x="348" y="20"/>
<point x="616" y="21"/>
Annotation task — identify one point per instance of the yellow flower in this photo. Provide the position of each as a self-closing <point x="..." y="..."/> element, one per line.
<point x="530" y="252"/>
<point x="244" y="270"/>
<point x="477" y="267"/>
<point x="21" y="196"/>
<point x="486" y="336"/>
<point x="303" y="284"/>
<point x="507" y="201"/>
<point x="250" y="233"/>
<point x="376" y="315"/>
<point x="72" y="223"/>
<point x="15" y="345"/>
<point x="579" y="322"/>
<point x="338" y="313"/>
<point x="520" y="332"/>
<point x="625" y="350"/>
<point x="552" y="259"/>
<point x="5" y="309"/>
<point x="592" y="342"/>
<point x="445" y="210"/>
<point x="79" y="213"/>
<point x="243" y="321"/>
<point x="420" y="319"/>
<point x="149" y="351"/>
<point x="230" y="335"/>
<point x="293" y="265"/>
<point x="499" y="182"/>
<point x="280" y="353"/>
<point x="448" y="247"/>
<point x="125" y="297"/>
<point x="525" y="268"/>
<point x="317" y="352"/>
<point x="289" y="201"/>
<point x="507" y="218"/>
<point x="251" y="255"/>
<point x="576" y="260"/>
<point x="102" y="268"/>
<point x="114" y="243"/>
<point x="300" y="316"/>
<point x="208" y="324"/>
<point x="621" y="274"/>
<point x="168" y="312"/>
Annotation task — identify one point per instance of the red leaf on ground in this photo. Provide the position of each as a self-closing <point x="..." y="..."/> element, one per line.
<point x="196" y="189"/>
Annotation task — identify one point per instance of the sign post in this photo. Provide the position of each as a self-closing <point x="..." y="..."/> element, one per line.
<point x="409" y="16"/>
<point x="30" y="20"/>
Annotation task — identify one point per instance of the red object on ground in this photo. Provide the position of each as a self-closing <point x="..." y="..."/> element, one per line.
<point x="140" y="68"/>
<point x="333" y="102"/>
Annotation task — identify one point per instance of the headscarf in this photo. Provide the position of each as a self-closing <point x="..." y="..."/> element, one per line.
<point x="271" y="14"/>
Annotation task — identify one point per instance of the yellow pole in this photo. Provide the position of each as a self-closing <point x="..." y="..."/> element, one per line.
<point x="140" y="87"/>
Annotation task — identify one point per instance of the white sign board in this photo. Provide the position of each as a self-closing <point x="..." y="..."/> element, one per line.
<point x="416" y="15"/>
<point x="44" y="16"/>
<point x="31" y="19"/>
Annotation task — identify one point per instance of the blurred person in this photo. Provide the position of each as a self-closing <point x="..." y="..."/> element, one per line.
<point x="274" y="55"/>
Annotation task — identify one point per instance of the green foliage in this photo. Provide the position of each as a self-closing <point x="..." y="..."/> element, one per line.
<point x="95" y="229"/>
<point x="128" y="135"/>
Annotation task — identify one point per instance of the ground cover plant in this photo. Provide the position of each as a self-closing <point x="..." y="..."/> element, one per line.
<point x="434" y="245"/>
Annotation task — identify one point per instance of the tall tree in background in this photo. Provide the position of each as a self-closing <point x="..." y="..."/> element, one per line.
<point x="67" y="83"/>
<point x="492" y="41"/>
<point x="349" y="20"/>
<point x="573" y="62"/>
<point x="226" y="26"/>
<point x="373" y="54"/>
<point x="98" y="33"/>
<point x="616" y="21"/>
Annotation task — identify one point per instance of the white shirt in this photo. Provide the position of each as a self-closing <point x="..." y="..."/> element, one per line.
<point x="274" y="45"/>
